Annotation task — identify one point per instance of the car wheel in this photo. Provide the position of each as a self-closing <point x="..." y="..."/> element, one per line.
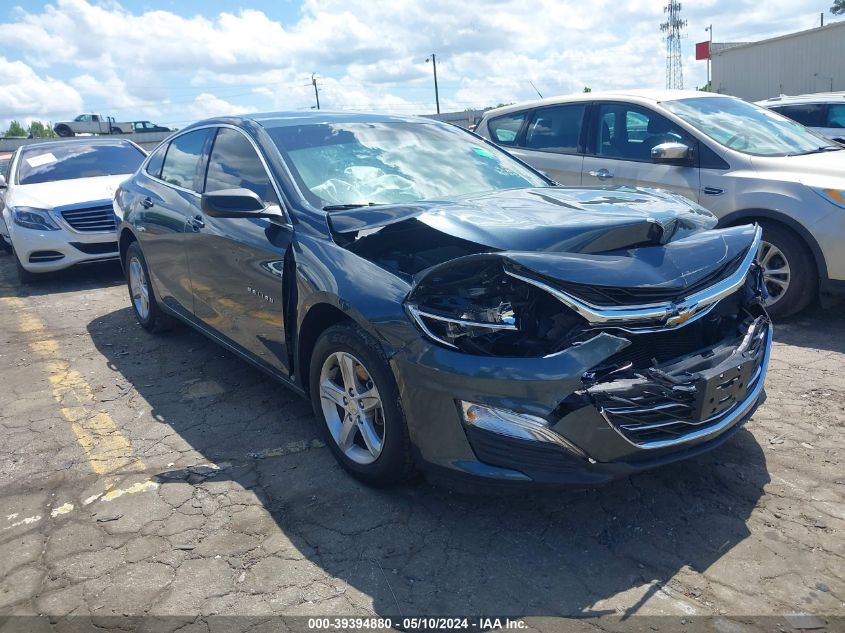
<point x="24" y="276"/>
<point x="144" y="304"/>
<point x="357" y="406"/>
<point x="63" y="130"/>
<point x="788" y="271"/>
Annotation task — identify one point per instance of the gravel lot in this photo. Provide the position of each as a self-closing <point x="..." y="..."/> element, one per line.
<point x="160" y="475"/>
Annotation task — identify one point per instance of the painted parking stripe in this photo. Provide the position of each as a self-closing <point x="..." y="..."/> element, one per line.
<point x="107" y="449"/>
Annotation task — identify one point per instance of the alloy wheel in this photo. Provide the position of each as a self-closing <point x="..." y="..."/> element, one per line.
<point x="352" y="407"/>
<point x="776" y="273"/>
<point x="139" y="288"/>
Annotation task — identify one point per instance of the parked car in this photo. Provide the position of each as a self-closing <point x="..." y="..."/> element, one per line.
<point x="444" y="305"/>
<point x="93" y="124"/>
<point x="5" y="159"/>
<point x="146" y="126"/>
<point x="57" y="204"/>
<point x="824" y="113"/>
<point x="740" y="161"/>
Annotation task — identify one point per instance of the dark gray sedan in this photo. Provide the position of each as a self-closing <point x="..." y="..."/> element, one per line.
<point x="446" y="307"/>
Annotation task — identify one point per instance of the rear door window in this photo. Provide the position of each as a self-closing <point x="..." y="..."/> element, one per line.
<point x="182" y="163"/>
<point x="808" y="114"/>
<point x="505" y="129"/>
<point x="556" y="129"/>
<point x="835" y="115"/>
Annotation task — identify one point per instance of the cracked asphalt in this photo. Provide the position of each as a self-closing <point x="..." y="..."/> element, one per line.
<point x="161" y="475"/>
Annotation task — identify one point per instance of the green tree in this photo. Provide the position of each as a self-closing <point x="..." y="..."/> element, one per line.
<point x="15" y="129"/>
<point x="587" y="89"/>
<point x="37" y="129"/>
<point x="838" y="7"/>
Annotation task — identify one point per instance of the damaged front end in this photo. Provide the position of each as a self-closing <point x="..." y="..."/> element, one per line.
<point x="594" y="381"/>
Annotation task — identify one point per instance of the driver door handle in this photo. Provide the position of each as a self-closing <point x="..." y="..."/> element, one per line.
<point x="197" y="222"/>
<point x="147" y="202"/>
<point x="601" y="174"/>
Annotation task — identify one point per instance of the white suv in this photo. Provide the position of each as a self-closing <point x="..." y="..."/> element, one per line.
<point x="742" y="162"/>
<point x="823" y="112"/>
<point x="57" y="204"/>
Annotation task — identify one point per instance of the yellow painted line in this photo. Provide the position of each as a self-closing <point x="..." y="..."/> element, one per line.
<point x="106" y="448"/>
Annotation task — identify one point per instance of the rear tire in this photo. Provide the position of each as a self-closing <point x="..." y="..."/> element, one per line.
<point x="373" y="414"/>
<point x="788" y="270"/>
<point x="141" y="294"/>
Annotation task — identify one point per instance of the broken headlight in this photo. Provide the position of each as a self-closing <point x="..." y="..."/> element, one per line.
<point x="479" y="309"/>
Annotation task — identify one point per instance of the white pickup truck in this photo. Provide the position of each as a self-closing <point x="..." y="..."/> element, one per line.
<point x="93" y="124"/>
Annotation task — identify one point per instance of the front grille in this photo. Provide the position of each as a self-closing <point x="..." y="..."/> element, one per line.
<point x="668" y="404"/>
<point x="98" y="248"/>
<point x="44" y="256"/>
<point x="622" y="296"/>
<point x="93" y="219"/>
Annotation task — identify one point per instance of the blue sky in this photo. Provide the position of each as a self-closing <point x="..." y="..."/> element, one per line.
<point x="178" y="61"/>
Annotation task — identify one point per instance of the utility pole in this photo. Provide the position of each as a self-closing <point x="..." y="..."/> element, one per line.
<point x="709" y="55"/>
<point x="316" y="92"/>
<point x="433" y="59"/>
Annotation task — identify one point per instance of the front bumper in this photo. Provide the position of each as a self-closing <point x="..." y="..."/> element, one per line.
<point x="432" y="379"/>
<point x="45" y="251"/>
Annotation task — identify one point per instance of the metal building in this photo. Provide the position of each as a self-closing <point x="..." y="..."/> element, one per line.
<point x="797" y="63"/>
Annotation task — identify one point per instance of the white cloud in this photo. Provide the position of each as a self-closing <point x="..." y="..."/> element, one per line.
<point x="368" y="55"/>
<point x="26" y="95"/>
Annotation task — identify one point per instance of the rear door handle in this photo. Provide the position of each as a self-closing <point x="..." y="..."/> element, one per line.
<point x="197" y="222"/>
<point x="601" y="174"/>
<point x="147" y="202"/>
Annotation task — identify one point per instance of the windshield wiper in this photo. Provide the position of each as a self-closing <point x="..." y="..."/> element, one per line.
<point x="343" y="207"/>
<point x="818" y="150"/>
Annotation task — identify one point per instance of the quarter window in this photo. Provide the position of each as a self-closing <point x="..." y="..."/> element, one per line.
<point x="181" y="164"/>
<point x="505" y="129"/>
<point x="630" y="132"/>
<point x="155" y="162"/>
<point x="234" y="165"/>
<point x="556" y="129"/>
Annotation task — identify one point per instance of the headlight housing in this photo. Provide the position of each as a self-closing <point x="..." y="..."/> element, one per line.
<point x="833" y="196"/>
<point x="32" y="218"/>
<point x="477" y="308"/>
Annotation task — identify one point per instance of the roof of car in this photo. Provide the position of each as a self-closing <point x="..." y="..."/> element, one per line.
<point x="306" y="117"/>
<point x="638" y="95"/>
<point x="819" y="97"/>
<point x="87" y="140"/>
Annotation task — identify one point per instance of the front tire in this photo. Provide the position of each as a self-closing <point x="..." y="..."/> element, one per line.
<point x="64" y="131"/>
<point x="357" y="406"/>
<point x="24" y="276"/>
<point x="788" y="271"/>
<point x="141" y="294"/>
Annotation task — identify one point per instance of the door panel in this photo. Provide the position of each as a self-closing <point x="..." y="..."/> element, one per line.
<point x="620" y="148"/>
<point x="237" y="264"/>
<point x="563" y="168"/>
<point x="166" y="211"/>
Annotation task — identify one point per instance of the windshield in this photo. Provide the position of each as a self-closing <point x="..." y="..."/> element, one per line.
<point x="748" y="128"/>
<point x="383" y="163"/>
<point x="77" y="160"/>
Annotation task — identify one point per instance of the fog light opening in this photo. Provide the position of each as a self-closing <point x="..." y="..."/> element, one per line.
<point x="521" y="426"/>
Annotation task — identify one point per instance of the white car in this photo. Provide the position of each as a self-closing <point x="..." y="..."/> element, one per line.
<point x="57" y="205"/>
<point x="740" y="161"/>
<point x="823" y="113"/>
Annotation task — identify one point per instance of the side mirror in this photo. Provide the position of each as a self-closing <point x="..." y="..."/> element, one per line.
<point x="672" y="154"/>
<point x="236" y="203"/>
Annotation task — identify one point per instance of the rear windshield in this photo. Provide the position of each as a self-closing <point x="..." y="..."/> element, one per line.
<point x="77" y="160"/>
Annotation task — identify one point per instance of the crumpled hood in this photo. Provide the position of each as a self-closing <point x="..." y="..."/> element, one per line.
<point x="557" y="219"/>
<point x="48" y="195"/>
